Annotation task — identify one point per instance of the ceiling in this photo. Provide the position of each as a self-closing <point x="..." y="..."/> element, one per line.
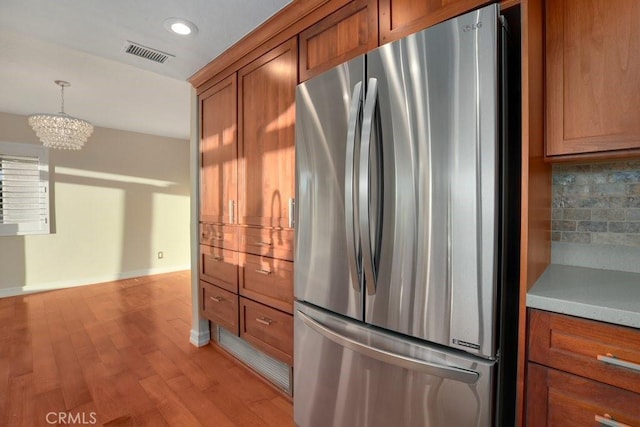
<point x="82" y="41"/>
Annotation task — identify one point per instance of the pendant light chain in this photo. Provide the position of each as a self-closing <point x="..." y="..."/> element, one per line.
<point x="62" y="98"/>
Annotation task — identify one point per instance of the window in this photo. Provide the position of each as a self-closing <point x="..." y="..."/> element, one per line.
<point x="24" y="189"/>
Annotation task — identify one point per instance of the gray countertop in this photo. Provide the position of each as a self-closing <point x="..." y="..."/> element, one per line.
<point x="604" y="295"/>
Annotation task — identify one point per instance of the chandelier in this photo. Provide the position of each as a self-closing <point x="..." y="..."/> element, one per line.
<point x="61" y="130"/>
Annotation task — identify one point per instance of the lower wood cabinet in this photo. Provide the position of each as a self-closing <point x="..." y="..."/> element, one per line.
<point x="556" y="398"/>
<point x="267" y="280"/>
<point x="219" y="267"/>
<point x="220" y="306"/>
<point x="268" y="329"/>
<point x="581" y="372"/>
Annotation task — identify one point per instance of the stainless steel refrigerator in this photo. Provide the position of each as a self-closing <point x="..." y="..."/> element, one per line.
<point x="401" y="223"/>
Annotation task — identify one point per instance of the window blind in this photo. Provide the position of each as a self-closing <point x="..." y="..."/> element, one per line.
<point x="24" y="189"/>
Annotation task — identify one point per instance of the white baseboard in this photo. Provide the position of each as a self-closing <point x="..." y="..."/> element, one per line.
<point x="51" y="286"/>
<point x="200" y="338"/>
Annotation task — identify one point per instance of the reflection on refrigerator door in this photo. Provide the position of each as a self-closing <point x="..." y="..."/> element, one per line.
<point x="360" y="376"/>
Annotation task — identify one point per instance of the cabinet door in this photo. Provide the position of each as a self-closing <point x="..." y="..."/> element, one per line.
<point x="218" y="152"/>
<point x="266" y="96"/>
<point x="343" y="35"/>
<point x="558" y="399"/>
<point x="399" y="18"/>
<point x="592" y="76"/>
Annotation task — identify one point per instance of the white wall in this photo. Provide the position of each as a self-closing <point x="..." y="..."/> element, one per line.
<point x="117" y="202"/>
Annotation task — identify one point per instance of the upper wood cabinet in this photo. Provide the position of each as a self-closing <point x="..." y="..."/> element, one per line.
<point x="218" y="152"/>
<point x="266" y="118"/>
<point x="399" y="18"/>
<point x="592" y="76"/>
<point x="345" y="34"/>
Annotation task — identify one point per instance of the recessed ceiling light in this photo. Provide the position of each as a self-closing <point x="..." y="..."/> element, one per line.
<point x="180" y="26"/>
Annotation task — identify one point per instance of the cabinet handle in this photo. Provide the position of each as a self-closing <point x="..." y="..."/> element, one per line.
<point x="232" y="212"/>
<point x="219" y="237"/>
<point x="217" y="258"/>
<point x="217" y="299"/>
<point x="292" y="211"/>
<point x="606" y="420"/>
<point x="261" y="271"/>
<point x="263" y="243"/>
<point x="613" y="360"/>
<point x="264" y="320"/>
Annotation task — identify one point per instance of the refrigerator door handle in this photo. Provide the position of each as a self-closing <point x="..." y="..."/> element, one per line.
<point x="368" y="123"/>
<point x="353" y="237"/>
<point x="410" y="363"/>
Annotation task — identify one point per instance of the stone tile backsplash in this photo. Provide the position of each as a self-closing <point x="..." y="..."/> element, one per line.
<point x="597" y="203"/>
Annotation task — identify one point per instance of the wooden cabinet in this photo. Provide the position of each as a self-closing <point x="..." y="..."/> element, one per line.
<point x="266" y="119"/>
<point x="268" y="329"/>
<point x="399" y="18"/>
<point x="559" y="399"/>
<point x="345" y="34"/>
<point x="219" y="267"/>
<point x="592" y="84"/>
<point x="247" y="190"/>
<point x="220" y="306"/>
<point x="271" y="242"/>
<point x="218" y="152"/>
<point x="579" y="370"/>
<point x="268" y="280"/>
<point x="221" y="236"/>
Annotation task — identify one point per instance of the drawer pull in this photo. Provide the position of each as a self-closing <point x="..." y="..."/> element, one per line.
<point x="264" y="320"/>
<point x="612" y="360"/>
<point x="263" y="243"/>
<point x="217" y="299"/>
<point x="265" y="272"/>
<point x="606" y="420"/>
<point x="217" y="258"/>
<point x="219" y="237"/>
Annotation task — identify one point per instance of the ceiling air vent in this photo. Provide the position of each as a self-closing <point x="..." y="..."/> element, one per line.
<point x="146" y="52"/>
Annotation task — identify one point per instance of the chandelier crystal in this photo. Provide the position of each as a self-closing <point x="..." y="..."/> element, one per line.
<point x="61" y="130"/>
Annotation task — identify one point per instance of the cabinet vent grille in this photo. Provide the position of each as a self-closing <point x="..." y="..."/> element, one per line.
<point x="275" y="371"/>
<point x="145" y="52"/>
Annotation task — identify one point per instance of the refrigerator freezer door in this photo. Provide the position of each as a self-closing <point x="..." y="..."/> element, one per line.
<point x="327" y="251"/>
<point x="437" y="99"/>
<point x="352" y="375"/>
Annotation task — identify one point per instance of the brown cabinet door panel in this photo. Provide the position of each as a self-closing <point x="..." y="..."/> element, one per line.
<point x="218" y="152"/>
<point x="343" y="35"/>
<point x="558" y="399"/>
<point x="399" y="18"/>
<point x="220" y="306"/>
<point x="592" y="69"/>
<point x="268" y="329"/>
<point x="266" y="97"/>
<point x="220" y="267"/>
<point x="574" y="345"/>
<point x="267" y="280"/>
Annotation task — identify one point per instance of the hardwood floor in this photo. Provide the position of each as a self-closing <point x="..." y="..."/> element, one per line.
<point x="118" y="354"/>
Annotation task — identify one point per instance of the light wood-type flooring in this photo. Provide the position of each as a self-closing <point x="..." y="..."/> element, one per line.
<point x="118" y="354"/>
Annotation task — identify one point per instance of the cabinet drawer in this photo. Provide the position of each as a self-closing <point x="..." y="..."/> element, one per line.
<point x="555" y="398"/>
<point x="596" y="350"/>
<point x="220" y="267"/>
<point x="268" y="280"/>
<point x="271" y="242"/>
<point x="268" y="329"/>
<point x="220" y="236"/>
<point x="220" y="306"/>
